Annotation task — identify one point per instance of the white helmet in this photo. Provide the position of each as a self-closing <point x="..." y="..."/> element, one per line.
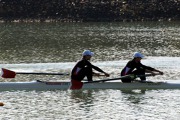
<point x="87" y="52"/>
<point x="137" y="54"/>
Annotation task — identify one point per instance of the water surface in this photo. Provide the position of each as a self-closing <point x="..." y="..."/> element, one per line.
<point x="55" y="47"/>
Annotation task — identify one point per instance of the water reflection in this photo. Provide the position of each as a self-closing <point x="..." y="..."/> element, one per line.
<point x="133" y="96"/>
<point x="84" y="99"/>
<point x="82" y="95"/>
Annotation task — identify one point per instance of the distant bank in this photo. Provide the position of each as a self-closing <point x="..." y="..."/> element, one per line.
<point x="88" y="10"/>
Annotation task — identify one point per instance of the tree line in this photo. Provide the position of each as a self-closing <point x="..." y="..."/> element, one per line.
<point x="89" y="10"/>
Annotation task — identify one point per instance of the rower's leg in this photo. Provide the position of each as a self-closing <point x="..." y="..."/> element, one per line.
<point x="126" y="80"/>
<point x="140" y="72"/>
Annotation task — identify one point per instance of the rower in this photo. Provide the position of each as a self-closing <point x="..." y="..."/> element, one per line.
<point x="135" y="67"/>
<point x="83" y="68"/>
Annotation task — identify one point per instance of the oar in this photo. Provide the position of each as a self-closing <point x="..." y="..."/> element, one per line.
<point x="119" y="78"/>
<point x="5" y="73"/>
<point x="131" y="76"/>
<point x="79" y="85"/>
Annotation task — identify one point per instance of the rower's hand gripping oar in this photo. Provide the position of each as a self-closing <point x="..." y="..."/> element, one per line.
<point x="5" y="73"/>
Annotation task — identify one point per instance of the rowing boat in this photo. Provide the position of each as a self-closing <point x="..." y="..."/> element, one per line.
<point x="113" y="83"/>
<point x="65" y="85"/>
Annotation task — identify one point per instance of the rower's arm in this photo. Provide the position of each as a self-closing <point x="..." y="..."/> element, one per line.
<point x="99" y="70"/>
<point x="158" y="71"/>
<point x="155" y="70"/>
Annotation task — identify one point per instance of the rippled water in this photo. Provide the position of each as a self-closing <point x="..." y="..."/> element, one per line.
<point x="90" y="104"/>
<point x="64" y="42"/>
<point x="55" y="47"/>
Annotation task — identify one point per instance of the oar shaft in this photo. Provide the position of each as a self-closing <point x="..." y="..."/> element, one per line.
<point x="36" y="73"/>
<point x="104" y="80"/>
<point x="131" y="76"/>
<point x="5" y="73"/>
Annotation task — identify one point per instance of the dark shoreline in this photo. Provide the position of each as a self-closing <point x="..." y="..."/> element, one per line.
<point x="79" y="21"/>
<point x="89" y="10"/>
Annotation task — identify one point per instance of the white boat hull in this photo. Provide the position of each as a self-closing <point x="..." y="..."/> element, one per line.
<point x="134" y="85"/>
<point x="62" y="85"/>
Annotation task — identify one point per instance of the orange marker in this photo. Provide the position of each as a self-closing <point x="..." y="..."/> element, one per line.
<point x="1" y="104"/>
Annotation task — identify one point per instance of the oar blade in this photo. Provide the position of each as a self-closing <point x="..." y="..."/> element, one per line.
<point x="7" y="73"/>
<point x="76" y="85"/>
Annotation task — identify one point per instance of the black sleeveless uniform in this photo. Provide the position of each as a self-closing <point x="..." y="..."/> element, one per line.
<point x="83" y="68"/>
<point x="133" y="67"/>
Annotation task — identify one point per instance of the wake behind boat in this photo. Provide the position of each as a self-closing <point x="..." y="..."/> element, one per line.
<point x="65" y="85"/>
